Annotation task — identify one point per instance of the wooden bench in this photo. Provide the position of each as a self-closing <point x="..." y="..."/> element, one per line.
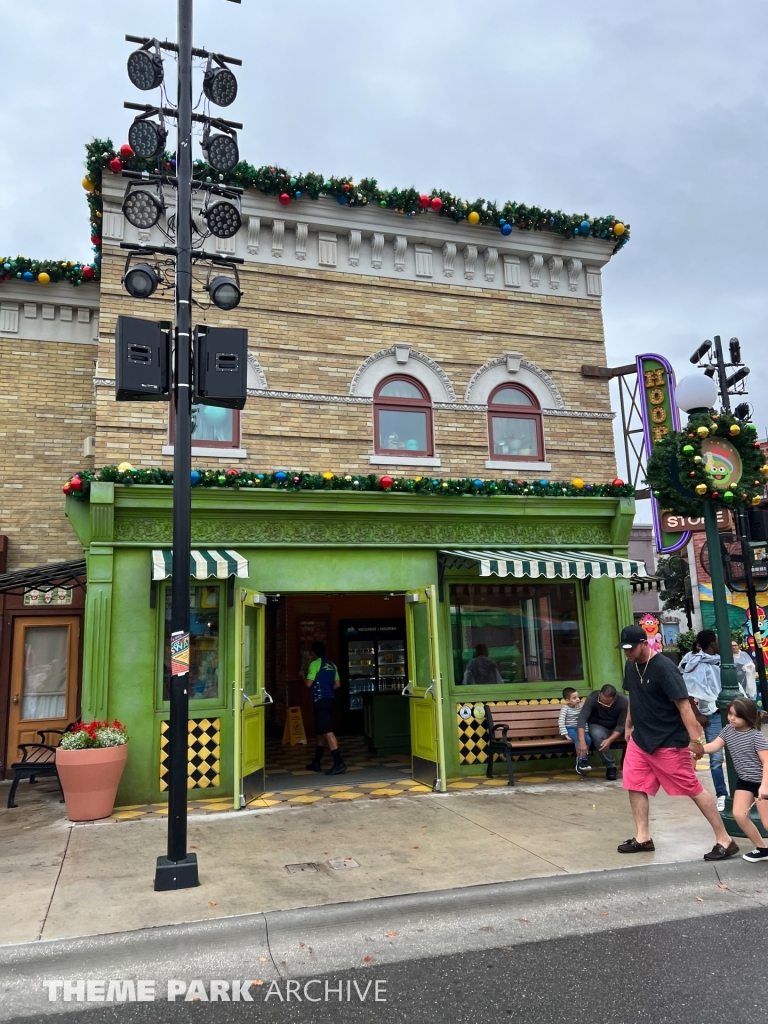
<point x="37" y="759"/>
<point x="525" y="729"/>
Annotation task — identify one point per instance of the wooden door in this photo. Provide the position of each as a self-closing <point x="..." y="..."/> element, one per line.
<point x="43" y="678"/>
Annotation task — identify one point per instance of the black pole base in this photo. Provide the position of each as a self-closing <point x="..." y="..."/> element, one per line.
<point x="176" y="874"/>
<point x="733" y="828"/>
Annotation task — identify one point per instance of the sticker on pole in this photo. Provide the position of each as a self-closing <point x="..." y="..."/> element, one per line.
<point x="179" y="653"/>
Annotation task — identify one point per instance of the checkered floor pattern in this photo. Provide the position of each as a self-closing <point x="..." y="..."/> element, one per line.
<point x="293" y="760"/>
<point x="347" y="792"/>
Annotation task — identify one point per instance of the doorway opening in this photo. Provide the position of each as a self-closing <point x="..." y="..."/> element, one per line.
<point x="365" y="637"/>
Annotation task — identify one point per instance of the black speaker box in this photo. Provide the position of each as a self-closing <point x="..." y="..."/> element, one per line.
<point x="142" y="360"/>
<point x="758" y="524"/>
<point x="221" y="366"/>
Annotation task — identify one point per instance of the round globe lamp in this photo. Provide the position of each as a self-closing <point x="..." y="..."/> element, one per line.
<point x="696" y="393"/>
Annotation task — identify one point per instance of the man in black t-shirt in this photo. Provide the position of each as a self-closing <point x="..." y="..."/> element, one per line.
<point x="663" y="741"/>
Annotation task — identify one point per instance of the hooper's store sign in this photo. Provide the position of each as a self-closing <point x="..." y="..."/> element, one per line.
<point x="656" y="394"/>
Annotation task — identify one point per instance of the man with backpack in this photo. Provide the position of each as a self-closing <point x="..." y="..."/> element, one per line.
<point x="323" y="680"/>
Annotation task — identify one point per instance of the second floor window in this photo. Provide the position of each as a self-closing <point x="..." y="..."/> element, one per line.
<point x="402" y="418"/>
<point x="514" y="424"/>
<point x="212" y="426"/>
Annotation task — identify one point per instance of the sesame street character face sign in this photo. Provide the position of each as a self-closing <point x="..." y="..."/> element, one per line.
<point x="651" y="626"/>
<point x="721" y="461"/>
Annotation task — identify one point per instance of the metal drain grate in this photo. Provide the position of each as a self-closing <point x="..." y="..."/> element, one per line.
<point x="297" y="869"/>
<point x="343" y="865"/>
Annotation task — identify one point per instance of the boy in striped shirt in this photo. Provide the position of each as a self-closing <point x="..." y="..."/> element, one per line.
<point x="566" y="723"/>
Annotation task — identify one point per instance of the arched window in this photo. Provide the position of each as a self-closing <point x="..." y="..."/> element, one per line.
<point x="402" y="417"/>
<point x="514" y="424"/>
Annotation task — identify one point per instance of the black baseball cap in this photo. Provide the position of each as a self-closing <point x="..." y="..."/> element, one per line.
<point x="631" y="636"/>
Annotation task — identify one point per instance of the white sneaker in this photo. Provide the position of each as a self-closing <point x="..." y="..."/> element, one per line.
<point x="721" y="803"/>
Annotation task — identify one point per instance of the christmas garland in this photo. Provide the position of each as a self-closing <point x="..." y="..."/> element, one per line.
<point x="286" y="187"/>
<point x="79" y="485"/>
<point x="678" y="472"/>
<point x="276" y="181"/>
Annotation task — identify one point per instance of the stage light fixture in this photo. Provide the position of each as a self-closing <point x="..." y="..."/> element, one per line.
<point x="743" y="412"/>
<point x="735" y="378"/>
<point x="142" y="208"/>
<point x="141" y="280"/>
<point x="223" y="219"/>
<point x="734" y="346"/>
<point x="145" y="69"/>
<point x="219" y="85"/>
<point x="221" y="151"/>
<point x="147" y="138"/>
<point x="224" y="292"/>
<point x="701" y="351"/>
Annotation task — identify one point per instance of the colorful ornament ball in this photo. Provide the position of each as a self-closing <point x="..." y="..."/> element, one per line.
<point x="473" y="218"/>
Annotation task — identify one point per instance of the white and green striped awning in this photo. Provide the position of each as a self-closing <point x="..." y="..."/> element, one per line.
<point x="203" y="564"/>
<point x="551" y="564"/>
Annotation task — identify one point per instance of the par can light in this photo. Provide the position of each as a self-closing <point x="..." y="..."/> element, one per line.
<point x="223" y="219"/>
<point x="220" y="86"/>
<point x="141" y="281"/>
<point x="142" y="209"/>
<point x="221" y="152"/>
<point x="145" y="69"/>
<point x="224" y="292"/>
<point x="146" y="138"/>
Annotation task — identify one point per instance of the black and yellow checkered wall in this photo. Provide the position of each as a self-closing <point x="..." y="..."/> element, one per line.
<point x="473" y="732"/>
<point x="203" y="754"/>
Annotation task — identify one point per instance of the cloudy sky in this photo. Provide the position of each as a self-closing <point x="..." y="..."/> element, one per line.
<point x="654" y="112"/>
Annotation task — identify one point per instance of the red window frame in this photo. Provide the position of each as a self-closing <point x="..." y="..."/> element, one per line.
<point x="382" y="404"/>
<point x="234" y="443"/>
<point x="521" y="412"/>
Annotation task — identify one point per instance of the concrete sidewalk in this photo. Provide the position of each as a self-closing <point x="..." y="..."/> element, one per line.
<point x="58" y="879"/>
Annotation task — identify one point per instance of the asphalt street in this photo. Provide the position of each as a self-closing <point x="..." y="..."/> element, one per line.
<point x="679" y="972"/>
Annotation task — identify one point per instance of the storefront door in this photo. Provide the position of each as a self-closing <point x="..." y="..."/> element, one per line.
<point x="424" y="690"/>
<point x="43" y="679"/>
<point x="250" y="698"/>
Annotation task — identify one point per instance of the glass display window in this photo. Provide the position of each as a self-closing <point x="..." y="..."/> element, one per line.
<point x="204" y="649"/>
<point x="515" y="633"/>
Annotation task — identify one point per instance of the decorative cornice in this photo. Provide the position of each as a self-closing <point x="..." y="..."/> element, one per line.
<point x="312" y="396"/>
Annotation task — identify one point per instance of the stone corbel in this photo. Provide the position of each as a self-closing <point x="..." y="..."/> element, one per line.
<point x="449" y="255"/>
<point x="401" y="244"/>
<point x="535" y="263"/>
<point x="112" y="225"/>
<point x="555" y="264"/>
<point x="278" y="234"/>
<point x="402" y="353"/>
<point x="594" y="282"/>
<point x="354" y="248"/>
<point x="573" y="266"/>
<point x="513" y="361"/>
<point x="512" y="271"/>
<point x="327" y="248"/>
<point x="470" y="257"/>
<point x="254" y="228"/>
<point x="377" y="250"/>
<point x="490" y="258"/>
<point x="301" y="241"/>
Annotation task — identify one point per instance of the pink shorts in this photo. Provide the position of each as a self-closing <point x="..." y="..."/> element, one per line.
<point x="669" y="767"/>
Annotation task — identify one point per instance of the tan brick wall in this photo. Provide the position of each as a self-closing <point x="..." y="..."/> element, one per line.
<point x="311" y="330"/>
<point x="46" y="410"/>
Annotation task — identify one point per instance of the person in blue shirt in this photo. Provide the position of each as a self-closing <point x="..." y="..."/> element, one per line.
<point x="323" y="681"/>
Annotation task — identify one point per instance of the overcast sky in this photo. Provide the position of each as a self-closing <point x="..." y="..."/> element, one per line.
<point x="654" y="112"/>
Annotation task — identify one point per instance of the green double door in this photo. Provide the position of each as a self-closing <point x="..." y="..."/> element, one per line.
<point x="250" y="699"/>
<point x="425" y="688"/>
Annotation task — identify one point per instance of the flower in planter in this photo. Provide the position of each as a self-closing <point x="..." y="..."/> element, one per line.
<point x="84" y="735"/>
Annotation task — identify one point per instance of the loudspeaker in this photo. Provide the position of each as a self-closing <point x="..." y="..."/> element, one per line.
<point x="142" y="360"/>
<point x="758" y="524"/>
<point x="221" y="366"/>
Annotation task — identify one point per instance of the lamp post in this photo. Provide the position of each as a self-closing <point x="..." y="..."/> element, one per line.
<point x="695" y="395"/>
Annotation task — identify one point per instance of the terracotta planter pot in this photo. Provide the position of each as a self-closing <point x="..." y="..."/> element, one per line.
<point x="90" y="779"/>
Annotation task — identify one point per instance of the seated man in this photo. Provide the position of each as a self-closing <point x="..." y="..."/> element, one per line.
<point x="481" y="669"/>
<point x="604" y="712"/>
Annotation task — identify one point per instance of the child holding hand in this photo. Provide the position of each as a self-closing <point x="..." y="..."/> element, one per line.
<point x="748" y="753"/>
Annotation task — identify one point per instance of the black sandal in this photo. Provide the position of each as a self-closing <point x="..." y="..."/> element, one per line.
<point x="632" y="846"/>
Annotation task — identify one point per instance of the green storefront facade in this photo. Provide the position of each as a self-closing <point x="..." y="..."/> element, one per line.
<point x="328" y="542"/>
